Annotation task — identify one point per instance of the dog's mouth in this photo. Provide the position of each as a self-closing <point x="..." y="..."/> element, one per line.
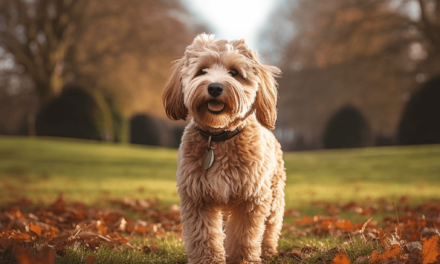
<point x="215" y="107"/>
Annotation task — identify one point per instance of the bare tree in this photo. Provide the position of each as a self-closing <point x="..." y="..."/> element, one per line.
<point x="59" y="41"/>
<point x="430" y="20"/>
<point x="370" y="54"/>
<point x="38" y="34"/>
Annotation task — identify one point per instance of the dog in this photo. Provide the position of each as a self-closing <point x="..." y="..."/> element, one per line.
<point x="230" y="174"/>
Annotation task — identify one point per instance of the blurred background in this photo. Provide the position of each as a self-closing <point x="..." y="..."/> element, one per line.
<point x="82" y="122"/>
<point x="355" y="73"/>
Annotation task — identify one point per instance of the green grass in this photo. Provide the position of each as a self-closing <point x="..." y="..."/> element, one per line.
<point x="94" y="172"/>
<point x="91" y="171"/>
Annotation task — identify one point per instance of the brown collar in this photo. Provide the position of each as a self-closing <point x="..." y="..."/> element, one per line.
<point x="222" y="136"/>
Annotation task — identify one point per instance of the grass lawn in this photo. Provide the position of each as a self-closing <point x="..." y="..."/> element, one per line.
<point x="94" y="172"/>
<point x="90" y="171"/>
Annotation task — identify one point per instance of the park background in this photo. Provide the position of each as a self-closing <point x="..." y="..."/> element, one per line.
<point x="358" y="113"/>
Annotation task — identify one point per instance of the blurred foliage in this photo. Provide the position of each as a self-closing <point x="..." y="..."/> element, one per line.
<point x="121" y="127"/>
<point x="76" y="114"/>
<point x="372" y="55"/>
<point x="421" y="119"/>
<point x="347" y="129"/>
<point x="149" y="130"/>
<point x="121" y="48"/>
<point x="176" y="135"/>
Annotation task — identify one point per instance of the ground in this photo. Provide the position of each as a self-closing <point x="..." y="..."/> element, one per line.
<point x="353" y="184"/>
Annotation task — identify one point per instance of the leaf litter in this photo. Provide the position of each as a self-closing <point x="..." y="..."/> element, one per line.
<point x="411" y="238"/>
<point x="52" y="230"/>
<point x="41" y="234"/>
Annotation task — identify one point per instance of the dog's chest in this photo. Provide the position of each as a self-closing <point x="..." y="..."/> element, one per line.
<point x="236" y="173"/>
<point x="229" y="177"/>
<point x="242" y="167"/>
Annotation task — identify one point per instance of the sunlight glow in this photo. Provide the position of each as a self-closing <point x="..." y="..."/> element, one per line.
<point x="233" y="19"/>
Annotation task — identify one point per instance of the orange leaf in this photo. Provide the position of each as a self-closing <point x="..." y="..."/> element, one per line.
<point x="341" y="258"/>
<point x="141" y="229"/>
<point x="391" y="252"/>
<point x="21" y="236"/>
<point x="45" y="256"/>
<point x="91" y="259"/>
<point x="36" y="229"/>
<point x="430" y="250"/>
<point x="306" y="220"/>
<point x="375" y="257"/>
<point x="16" y="213"/>
<point x="59" y="206"/>
<point x="327" y="224"/>
<point x="344" y="225"/>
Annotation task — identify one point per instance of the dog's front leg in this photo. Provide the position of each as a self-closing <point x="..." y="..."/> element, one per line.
<point x="202" y="231"/>
<point x="244" y="231"/>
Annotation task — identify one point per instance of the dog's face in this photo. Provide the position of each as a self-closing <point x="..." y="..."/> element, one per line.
<point x="220" y="83"/>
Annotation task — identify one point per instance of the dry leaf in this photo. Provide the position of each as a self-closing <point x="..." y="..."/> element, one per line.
<point x="45" y="256"/>
<point x="430" y="249"/>
<point x="391" y="253"/>
<point x="341" y="258"/>
<point x="305" y="220"/>
<point x="36" y="229"/>
<point x="91" y="259"/>
<point x="375" y="257"/>
<point x="344" y="225"/>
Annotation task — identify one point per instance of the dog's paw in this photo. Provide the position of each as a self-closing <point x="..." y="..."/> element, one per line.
<point x="269" y="253"/>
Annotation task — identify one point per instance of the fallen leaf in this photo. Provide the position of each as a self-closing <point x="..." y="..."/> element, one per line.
<point x="392" y="252"/>
<point x="21" y="236"/>
<point x="389" y="254"/>
<point x="375" y="257"/>
<point x="91" y="259"/>
<point x="59" y="206"/>
<point x="45" y="256"/>
<point x="345" y="225"/>
<point x="341" y="258"/>
<point x="305" y="220"/>
<point x="430" y="249"/>
<point x="36" y="229"/>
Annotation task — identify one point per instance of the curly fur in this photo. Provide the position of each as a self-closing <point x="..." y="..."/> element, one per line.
<point x="234" y="210"/>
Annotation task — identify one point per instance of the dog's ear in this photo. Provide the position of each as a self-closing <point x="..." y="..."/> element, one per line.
<point x="172" y="97"/>
<point x="267" y="96"/>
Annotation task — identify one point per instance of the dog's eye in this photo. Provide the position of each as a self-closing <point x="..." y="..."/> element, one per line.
<point x="233" y="72"/>
<point x="201" y="72"/>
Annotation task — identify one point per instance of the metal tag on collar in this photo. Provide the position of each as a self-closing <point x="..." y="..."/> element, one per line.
<point x="208" y="157"/>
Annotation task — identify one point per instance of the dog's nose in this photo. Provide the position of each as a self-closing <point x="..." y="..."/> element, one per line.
<point x="215" y="89"/>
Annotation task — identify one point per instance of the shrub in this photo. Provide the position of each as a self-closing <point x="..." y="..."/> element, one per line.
<point x="120" y="123"/>
<point x="348" y="128"/>
<point x="75" y="114"/>
<point x="149" y="130"/>
<point x="420" y="123"/>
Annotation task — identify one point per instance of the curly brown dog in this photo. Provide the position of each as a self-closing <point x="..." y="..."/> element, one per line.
<point x="230" y="166"/>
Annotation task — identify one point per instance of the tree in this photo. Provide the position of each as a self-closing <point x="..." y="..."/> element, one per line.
<point x="90" y="41"/>
<point x="38" y="34"/>
<point x="127" y="55"/>
<point x="369" y="54"/>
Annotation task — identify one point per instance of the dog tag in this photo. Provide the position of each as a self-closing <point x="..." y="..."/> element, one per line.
<point x="208" y="157"/>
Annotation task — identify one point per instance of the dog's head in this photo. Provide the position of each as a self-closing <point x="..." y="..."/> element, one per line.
<point x="220" y="83"/>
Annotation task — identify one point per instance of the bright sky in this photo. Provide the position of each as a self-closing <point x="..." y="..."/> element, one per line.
<point x="233" y="19"/>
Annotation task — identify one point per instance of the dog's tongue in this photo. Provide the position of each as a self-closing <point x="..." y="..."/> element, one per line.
<point x="215" y="106"/>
